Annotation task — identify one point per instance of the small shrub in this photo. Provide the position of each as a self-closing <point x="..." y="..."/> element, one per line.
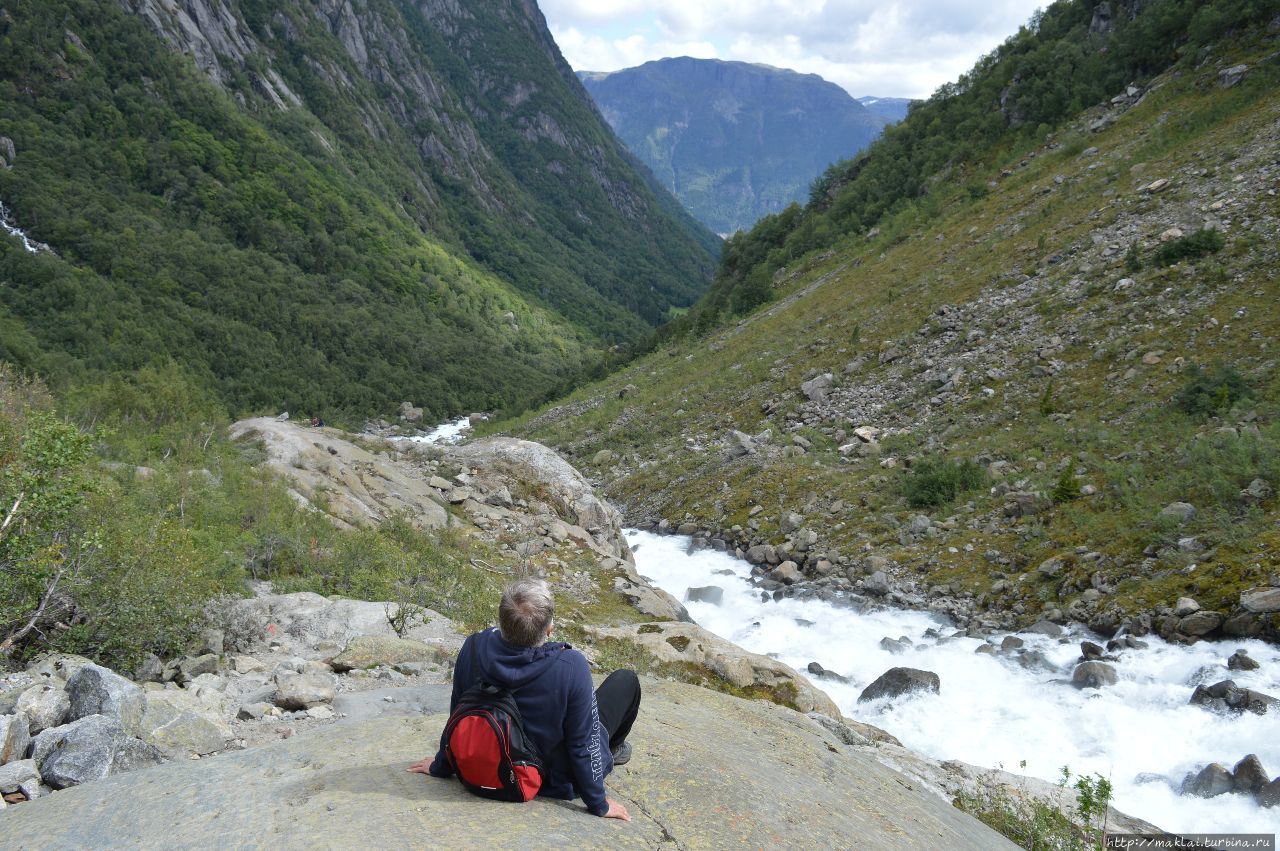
<point x="1211" y="392"/>
<point x="931" y="483"/>
<point x="1133" y="258"/>
<point x="1067" y="488"/>
<point x="1202" y="242"/>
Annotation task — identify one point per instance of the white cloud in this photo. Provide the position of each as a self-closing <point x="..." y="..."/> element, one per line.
<point x="903" y="49"/>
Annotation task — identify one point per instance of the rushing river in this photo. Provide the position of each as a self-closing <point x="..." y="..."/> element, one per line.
<point x="991" y="712"/>
<point x="450" y="432"/>
<point x="8" y="227"/>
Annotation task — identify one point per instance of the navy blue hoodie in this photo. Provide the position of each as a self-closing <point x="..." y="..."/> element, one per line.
<point x="557" y="700"/>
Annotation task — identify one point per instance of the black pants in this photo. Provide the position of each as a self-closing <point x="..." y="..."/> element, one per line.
<point x="618" y="700"/>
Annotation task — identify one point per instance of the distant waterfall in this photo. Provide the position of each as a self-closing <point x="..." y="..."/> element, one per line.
<point x="10" y="228"/>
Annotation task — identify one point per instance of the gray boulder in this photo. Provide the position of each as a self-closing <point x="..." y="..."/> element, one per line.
<point x="1048" y="628"/>
<point x="706" y="594"/>
<point x="815" y="389"/>
<point x="877" y="583"/>
<point x="1212" y="780"/>
<point x="896" y="682"/>
<point x="1269" y="795"/>
<point x="1200" y="623"/>
<point x="788" y="573"/>
<point x="1093" y="675"/>
<point x="1178" y="512"/>
<point x="21" y="776"/>
<point x="822" y="673"/>
<point x="15" y="738"/>
<point x="1242" y="661"/>
<point x="1249" y="776"/>
<point x="179" y="722"/>
<point x="1261" y="601"/>
<point x="45" y="705"/>
<point x="95" y="690"/>
<point x="1226" y="696"/>
<point x="90" y="749"/>
<point x="303" y="691"/>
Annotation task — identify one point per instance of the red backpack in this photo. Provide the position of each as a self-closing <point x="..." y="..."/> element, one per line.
<point x="487" y="746"/>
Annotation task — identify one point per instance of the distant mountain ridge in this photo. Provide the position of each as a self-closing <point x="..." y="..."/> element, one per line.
<point x="734" y="141"/>
<point x="892" y="110"/>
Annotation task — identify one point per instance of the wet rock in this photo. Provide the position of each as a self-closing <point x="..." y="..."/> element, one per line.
<point x="90" y="749"/>
<point x="1011" y="642"/>
<point x="1248" y="776"/>
<point x="1048" y="628"/>
<point x="1226" y="696"/>
<point x="95" y="690"/>
<point x="1094" y="675"/>
<point x="1269" y="795"/>
<point x="823" y="674"/>
<point x="15" y="738"/>
<point x="713" y="594"/>
<point x="896" y="682"/>
<point x="1242" y="661"/>
<point x="303" y="691"/>
<point x="1212" y="780"/>
<point x="895" y="646"/>
<point x="1090" y="651"/>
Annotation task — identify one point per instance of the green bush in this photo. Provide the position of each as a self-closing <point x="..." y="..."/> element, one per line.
<point x="934" y="482"/>
<point x="1212" y="392"/>
<point x="1203" y="242"/>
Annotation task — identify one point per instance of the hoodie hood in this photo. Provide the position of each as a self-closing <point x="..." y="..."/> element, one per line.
<point x="509" y="665"/>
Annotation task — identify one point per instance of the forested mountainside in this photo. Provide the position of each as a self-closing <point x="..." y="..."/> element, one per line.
<point x="321" y="205"/>
<point x="734" y="141"/>
<point x="1016" y="362"/>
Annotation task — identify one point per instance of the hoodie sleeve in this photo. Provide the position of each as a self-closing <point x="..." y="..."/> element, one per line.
<point x="588" y="749"/>
<point x="461" y="674"/>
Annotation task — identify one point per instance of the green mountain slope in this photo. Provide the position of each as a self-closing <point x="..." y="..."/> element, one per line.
<point x="734" y="141"/>
<point x="323" y="206"/>
<point x="1006" y="397"/>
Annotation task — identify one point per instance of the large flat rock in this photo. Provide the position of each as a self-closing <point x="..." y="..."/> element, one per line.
<point x="709" y="771"/>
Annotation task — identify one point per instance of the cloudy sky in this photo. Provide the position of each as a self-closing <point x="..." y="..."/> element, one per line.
<point x="885" y="48"/>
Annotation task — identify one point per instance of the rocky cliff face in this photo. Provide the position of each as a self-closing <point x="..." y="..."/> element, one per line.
<point x="734" y="141"/>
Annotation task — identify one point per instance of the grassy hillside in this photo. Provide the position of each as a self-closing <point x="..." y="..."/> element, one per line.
<point x="1054" y="349"/>
<point x="347" y="219"/>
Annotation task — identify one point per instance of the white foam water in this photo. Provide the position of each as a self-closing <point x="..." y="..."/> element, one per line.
<point x="991" y="712"/>
<point x="28" y="243"/>
<point x="450" y="432"/>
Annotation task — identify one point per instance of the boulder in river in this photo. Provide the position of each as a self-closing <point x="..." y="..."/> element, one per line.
<point x="1094" y="675"/>
<point x="1226" y="696"/>
<point x="1212" y="780"/>
<point x="1242" y="661"/>
<point x="1249" y="776"/>
<point x="896" y="682"/>
<point x="705" y="594"/>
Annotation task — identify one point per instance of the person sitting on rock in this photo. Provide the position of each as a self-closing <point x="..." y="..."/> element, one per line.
<point x="580" y="732"/>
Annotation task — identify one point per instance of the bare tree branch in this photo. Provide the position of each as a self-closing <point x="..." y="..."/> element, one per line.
<point x="13" y="512"/>
<point x="18" y="635"/>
